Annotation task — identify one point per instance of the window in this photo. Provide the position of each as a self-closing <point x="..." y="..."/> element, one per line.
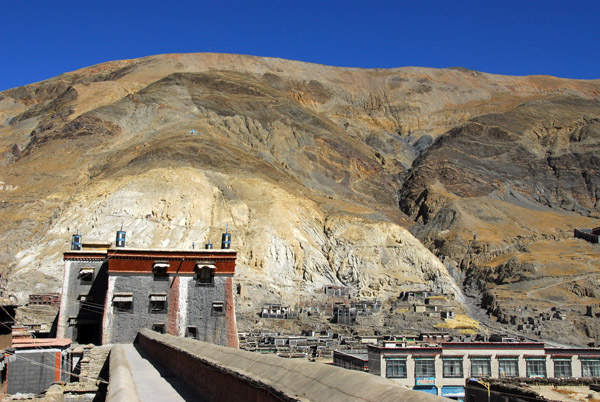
<point x="424" y="367"/>
<point x="160" y="328"/>
<point x="536" y="367"/>
<point x="453" y="367"/>
<point x="481" y="367"/>
<point x="123" y="302"/>
<point x="562" y="368"/>
<point x="160" y="271"/>
<point x="395" y="368"/>
<point x="86" y="274"/>
<point x="590" y="367"/>
<point x="218" y="308"/>
<point x="158" y="303"/>
<point x="191" y="332"/>
<point x="205" y="274"/>
<point x="508" y="367"/>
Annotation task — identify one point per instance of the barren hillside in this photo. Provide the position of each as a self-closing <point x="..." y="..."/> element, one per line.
<point x="319" y="172"/>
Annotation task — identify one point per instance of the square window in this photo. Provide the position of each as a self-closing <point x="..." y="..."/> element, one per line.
<point x="205" y="274"/>
<point x="481" y="367"/>
<point x="86" y="274"/>
<point x="157" y="306"/>
<point x="191" y="332"/>
<point x="159" y="269"/>
<point x="395" y="368"/>
<point x="536" y="367"/>
<point x="218" y="308"/>
<point x="590" y="367"/>
<point x="562" y="368"/>
<point x="123" y="303"/>
<point x="160" y="328"/>
<point x="453" y="368"/>
<point x="425" y="368"/>
<point x="508" y="367"/>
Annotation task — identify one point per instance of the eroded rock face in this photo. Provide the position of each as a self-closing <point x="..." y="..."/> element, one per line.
<point x="500" y="196"/>
<point x="306" y="163"/>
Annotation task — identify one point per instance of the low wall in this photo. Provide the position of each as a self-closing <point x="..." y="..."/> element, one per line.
<point x="218" y="373"/>
<point x="121" y="386"/>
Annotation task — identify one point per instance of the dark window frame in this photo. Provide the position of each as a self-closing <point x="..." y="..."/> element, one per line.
<point x="449" y="365"/>
<point x="481" y="367"/>
<point x="205" y="276"/>
<point x="536" y="368"/>
<point x="218" y="309"/>
<point x="563" y="368"/>
<point x="425" y="367"/>
<point x="189" y="330"/>
<point x="508" y="363"/>
<point x="590" y="367"/>
<point x="396" y="368"/>
<point x="160" y="273"/>
<point x="157" y="306"/>
<point x="122" y="306"/>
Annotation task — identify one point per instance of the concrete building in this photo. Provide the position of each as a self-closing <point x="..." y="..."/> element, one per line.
<point x="442" y="368"/>
<point x="109" y="295"/>
<point x="32" y="365"/>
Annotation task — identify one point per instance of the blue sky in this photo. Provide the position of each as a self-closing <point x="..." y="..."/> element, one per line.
<point x="40" y="39"/>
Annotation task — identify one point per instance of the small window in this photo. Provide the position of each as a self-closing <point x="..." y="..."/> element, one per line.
<point x="123" y="303"/>
<point x="160" y="271"/>
<point x="481" y="367"/>
<point x="191" y="332"/>
<point x="590" y="367"/>
<point x="562" y="368"/>
<point x="536" y="368"/>
<point x="508" y="367"/>
<point x="205" y="274"/>
<point x="160" y="328"/>
<point x="218" y="308"/>
<point x="395" y="368"/>
<point x="86" y="274"/>
<point x="158" y="303"/>
<point x="453" y="367"/>
<point x="424" y="367"/>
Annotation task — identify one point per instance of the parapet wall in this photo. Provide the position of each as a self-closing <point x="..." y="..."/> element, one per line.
<point x="218" y="373"/>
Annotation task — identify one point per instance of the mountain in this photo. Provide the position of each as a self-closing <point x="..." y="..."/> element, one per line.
<point x="325" y="175"/>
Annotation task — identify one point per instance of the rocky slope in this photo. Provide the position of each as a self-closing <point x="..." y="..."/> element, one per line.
<point x="306" y="163"/>
<point x="499" y="196"/>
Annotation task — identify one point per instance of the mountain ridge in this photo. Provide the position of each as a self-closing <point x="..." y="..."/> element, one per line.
<point x="309" y="165"/>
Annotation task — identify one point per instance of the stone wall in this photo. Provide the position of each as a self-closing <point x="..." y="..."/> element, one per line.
<point x="35" y="370"/>
<point x="87" y="314"/>
<point x="217" y="373"/>
<point x="188" y="305"/>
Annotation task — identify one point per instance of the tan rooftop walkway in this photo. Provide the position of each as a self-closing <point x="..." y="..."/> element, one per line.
<point x="150" y="381"/>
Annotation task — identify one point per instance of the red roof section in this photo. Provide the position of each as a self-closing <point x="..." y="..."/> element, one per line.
<point x="23" y="343"/>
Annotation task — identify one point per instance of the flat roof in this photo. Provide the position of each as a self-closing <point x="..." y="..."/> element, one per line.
<point x="172" y="250"/>
<point x="23" y="343"/>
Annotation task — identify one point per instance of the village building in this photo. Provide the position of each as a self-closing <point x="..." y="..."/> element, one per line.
<point x="110" y="294"/>
<point x="443" y="368"/>
<point x="46" y="299"/>
<point x="31" y="365"/>
<point x="276" y="310"/>
<point x="590" y="235"/>
<point x="336" y="291"/>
